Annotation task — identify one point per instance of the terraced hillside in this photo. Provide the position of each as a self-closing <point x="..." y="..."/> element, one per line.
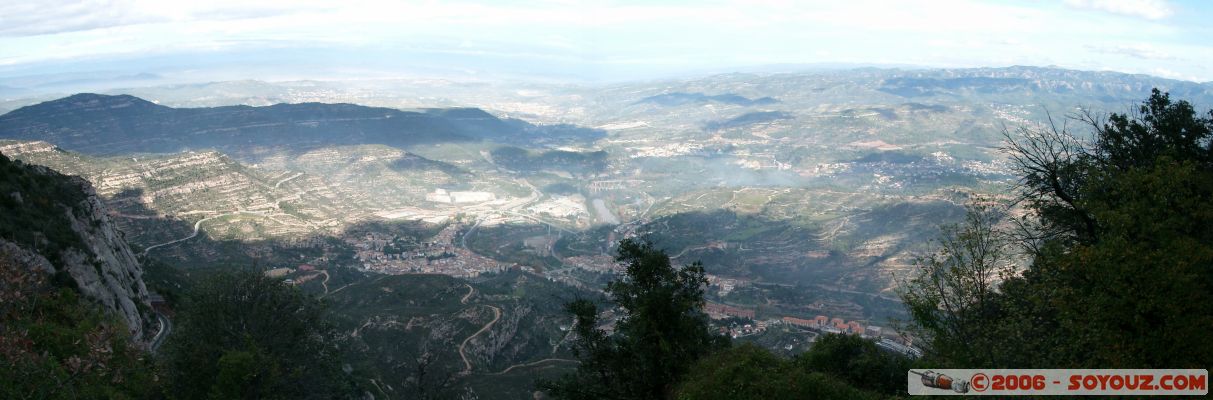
<point x="187" y="187"/>
<point x="828" y="178"/>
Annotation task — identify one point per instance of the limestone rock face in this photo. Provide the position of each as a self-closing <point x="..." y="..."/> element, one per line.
<point x="107" y="270"/>
<point x="88" y="246"/>
<point x="10" y="251"/>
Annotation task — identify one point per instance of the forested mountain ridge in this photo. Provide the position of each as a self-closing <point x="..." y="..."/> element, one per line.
<point x="110" y="125"/>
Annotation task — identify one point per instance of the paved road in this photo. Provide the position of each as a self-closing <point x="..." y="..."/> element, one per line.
<point x="198" y="227"/>
<point x="533" y="197"/>
<point x="531" y="364"/>
<point x="166" y="328"/>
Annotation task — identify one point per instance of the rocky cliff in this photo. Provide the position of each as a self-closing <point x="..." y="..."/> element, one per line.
<point x="57" y="223"/>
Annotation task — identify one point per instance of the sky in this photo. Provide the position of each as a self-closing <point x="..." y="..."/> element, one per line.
<point x="49" y="40"/>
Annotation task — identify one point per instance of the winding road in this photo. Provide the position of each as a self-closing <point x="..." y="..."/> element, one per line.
<point x="534" y="363"/>
<point x="325" y="282"/>
<point x="467" y="365"/>
<point x="352" y="284"/>
<point x="464" y="300"/>
<point x="197" y="227"/>
<point x="166" y="327"/>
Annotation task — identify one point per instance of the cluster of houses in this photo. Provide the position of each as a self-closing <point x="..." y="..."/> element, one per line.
<point x="721" y="311"/>
<point x="894" y="342"/>
<point x="820" y="323"/>
<point x="836" y="325"/>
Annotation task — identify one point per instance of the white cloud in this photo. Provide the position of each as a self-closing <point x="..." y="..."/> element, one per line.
<point x="1148" y="9"/>
<point x="31" y="18"/>
<point x="1140" y="51"/>
<point x="669" y="35"/>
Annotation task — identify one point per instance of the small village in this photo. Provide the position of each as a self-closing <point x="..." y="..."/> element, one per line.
<point x="819" y="325"/>
<point x="441" y="254"/>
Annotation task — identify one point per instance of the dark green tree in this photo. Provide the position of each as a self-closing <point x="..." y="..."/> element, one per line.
<point x="1118" y="233"/>
<point x="751" y="372"/>
<point x="858" y="362"/>
<point x="1125" y="267"/>
<point x="661" y="330"/>
<point x="242" y="335"/>
<point x="953" y="296"/>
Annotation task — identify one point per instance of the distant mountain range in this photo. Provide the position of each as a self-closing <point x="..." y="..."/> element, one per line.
<point x="110" y="125"/>
<point x="1021" y="80"/>
<point x="680" y="98"/>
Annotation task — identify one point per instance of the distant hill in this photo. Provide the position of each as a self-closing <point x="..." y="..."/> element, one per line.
<point x="680" y="98"/>
<point x="1021" y="80"/>
<point x="108" y="125"/>
<point x="748" y="119"/>
<point x="519" y="159"/>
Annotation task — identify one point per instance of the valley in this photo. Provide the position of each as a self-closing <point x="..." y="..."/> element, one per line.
<point x="446" y="240"/>
<point x="830" y="175"/>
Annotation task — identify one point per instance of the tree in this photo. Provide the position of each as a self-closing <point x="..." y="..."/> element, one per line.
<point x="245" y="335"/>
<point x="660" y="332"/>
<point x="428" y="380"/>
<point x="858" y="362"/>
<point x="1120" y="245"/>
<point x="1156" y="129"/>
<point x="1131" y="285"/>
<point x="751" y="372"/>
<point x="1063" y="177"/>
<point x="953" y="298"/>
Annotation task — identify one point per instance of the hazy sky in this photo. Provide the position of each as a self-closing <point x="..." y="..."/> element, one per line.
<point x="233" y="39"/>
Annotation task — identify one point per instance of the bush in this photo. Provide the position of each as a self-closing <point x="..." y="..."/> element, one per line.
<point x="55" y="346"/>
<point x="751" y="372"/>
<point x="245" y="335"/>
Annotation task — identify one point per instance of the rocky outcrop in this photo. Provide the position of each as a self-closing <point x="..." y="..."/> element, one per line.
<point x="58" y="224"/>
<point x="14" y="253"/>
<point x="106" y="270"/>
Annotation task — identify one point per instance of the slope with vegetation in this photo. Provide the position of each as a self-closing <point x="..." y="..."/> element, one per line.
<point x="1105" y="264"/>
<point x="661" y="347"/>
<point x="435" y="336"/>
<point x="63" y="224"/>
<point x="1118" y="251"/>
<point x="57" y="344"/>
<point x="243" y="335"/>
<point x="110" y="125"/>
